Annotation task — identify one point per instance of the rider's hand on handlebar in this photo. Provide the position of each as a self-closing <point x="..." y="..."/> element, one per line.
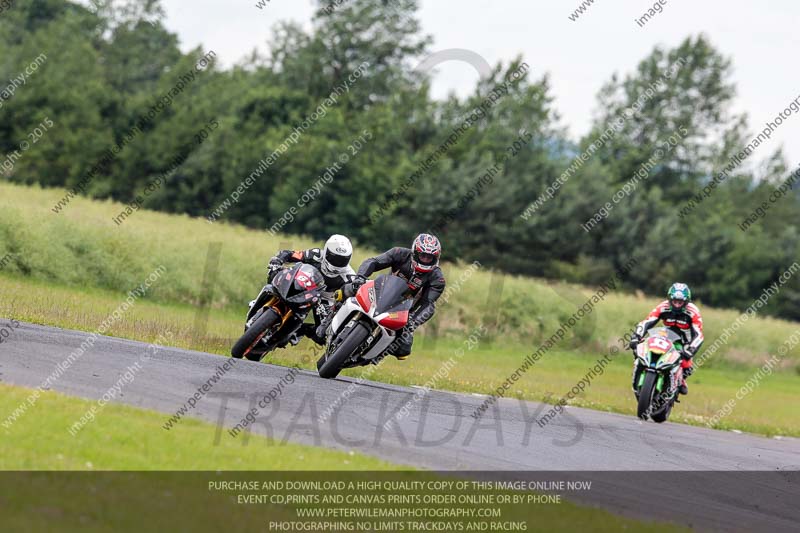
<point x="635" y="340"/>
<point x="358" y="281"/>
<point x="275" y="264"/>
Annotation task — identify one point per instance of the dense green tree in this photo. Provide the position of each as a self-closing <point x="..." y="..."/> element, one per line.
<point x="107" y="63"/>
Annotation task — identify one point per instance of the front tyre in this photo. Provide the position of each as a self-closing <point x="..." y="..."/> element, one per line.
<point x="646" y="394"/>
<point x="662" y="414"/>
<point x="355" y="338"/>
<point x="254" y="334"/>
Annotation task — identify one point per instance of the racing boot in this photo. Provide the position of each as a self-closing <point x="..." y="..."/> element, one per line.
<point x="683" y="389"/>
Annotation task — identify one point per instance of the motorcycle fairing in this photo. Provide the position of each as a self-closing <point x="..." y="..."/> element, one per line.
<point x="659" y="354"/>
<point x="384" y="301"/>
<point x="300" y="286"/>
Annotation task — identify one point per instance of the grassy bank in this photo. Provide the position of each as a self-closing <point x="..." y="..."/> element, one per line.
<point x="126" y="438"/>
<point x="83" y="248"/>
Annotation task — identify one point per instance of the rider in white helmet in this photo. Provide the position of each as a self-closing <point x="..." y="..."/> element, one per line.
<point x="333" y="260"/>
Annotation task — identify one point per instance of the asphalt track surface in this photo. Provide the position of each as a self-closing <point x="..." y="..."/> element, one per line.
<point x="440" y="433"/>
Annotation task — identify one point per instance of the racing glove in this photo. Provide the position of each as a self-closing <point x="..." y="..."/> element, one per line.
<point x="274" y="265"/>
<point x="358" y="281"/>
<point x="348" y="290"/>
<point x="635" y="340"/>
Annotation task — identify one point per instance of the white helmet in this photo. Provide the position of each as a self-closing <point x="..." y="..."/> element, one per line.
<point x="336" y="255"/>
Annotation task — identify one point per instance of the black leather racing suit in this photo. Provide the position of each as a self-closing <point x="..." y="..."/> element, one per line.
<point x="424" y="287"/>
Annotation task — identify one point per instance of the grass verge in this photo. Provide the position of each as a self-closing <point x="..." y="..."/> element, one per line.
<point x="127" y="438"/>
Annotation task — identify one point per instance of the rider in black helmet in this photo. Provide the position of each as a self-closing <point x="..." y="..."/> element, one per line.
<point x="419" y="266"/>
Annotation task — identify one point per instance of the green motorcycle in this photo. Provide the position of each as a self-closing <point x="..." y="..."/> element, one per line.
<point x="658" y="374"/>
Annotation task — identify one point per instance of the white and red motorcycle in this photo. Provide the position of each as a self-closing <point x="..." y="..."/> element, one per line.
<point x="365" y="325"/>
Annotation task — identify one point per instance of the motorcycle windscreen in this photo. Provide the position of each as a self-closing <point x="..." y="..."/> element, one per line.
<point x="284" y="282"/>
<point x="390" y="294"/>
<point x="301" y="285"/>
<point x="666" y="333"/>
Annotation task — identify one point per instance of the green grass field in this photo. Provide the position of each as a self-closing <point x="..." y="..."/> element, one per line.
<point x="126" y="438"/>
<point x="71" y="270"/>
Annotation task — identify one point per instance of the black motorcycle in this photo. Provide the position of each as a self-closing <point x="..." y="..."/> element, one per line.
<point x="279" y="311"/>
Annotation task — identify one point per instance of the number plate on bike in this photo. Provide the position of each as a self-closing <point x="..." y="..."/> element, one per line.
<point x="658" y="344"/>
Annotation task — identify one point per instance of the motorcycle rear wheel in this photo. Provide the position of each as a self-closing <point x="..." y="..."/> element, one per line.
<point x="330" y="368"/>
<point x="254" y="334"/>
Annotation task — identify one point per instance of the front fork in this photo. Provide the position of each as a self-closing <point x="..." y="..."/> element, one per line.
<point x="637" y="377"/>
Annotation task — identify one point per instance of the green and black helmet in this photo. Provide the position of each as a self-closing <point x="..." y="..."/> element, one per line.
<point x="678" y="292"/>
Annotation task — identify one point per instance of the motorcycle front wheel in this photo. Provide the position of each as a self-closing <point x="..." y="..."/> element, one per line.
<point x="329" y="368"/>
<point x="646" y="394"/>
<point x="663" y="413"/>
<point x="254" y="334"/>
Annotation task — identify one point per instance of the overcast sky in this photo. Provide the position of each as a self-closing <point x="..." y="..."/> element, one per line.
<point x="761" y="37"/>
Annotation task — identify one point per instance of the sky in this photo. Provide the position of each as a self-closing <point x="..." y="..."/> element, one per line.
<point x="579" y="56"/>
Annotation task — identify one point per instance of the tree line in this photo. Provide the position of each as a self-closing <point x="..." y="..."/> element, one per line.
<point x="110" y="63"/>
